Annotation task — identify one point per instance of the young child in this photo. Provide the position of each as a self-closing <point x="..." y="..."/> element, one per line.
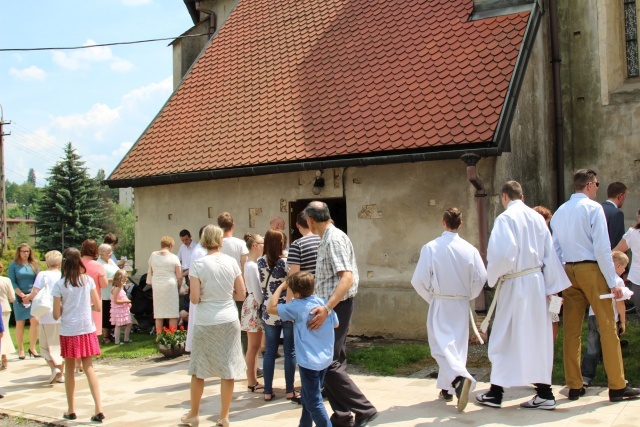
<point x="594" y="348"/>
<point x="120" y="306"/>
<point x="314" y="349"/>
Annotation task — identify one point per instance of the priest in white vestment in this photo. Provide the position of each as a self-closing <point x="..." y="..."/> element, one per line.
<point x="450" y="272"/>
<point x="521" y="252"/>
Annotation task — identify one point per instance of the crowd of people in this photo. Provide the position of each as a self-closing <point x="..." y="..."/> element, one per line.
<point x="303" y="295"/>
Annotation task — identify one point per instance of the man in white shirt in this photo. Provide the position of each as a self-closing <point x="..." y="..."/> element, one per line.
<point x="185" y="251"/>
<point x="232" y="246"/>
<point x="522" y="262"/>
<point x="581" y="239"/>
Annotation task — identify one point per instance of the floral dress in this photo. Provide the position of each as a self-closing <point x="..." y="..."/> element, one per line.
<point x="278" y="275"/>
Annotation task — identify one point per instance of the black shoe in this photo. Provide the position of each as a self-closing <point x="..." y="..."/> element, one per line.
<point x="624" y="343"/>
<point x="625" y="393"/>
<point x="575" y="393"/>
<point x="70" y="416"/>
<point x="462" y="387"/>
<point x="365" y="421"/>
<point x="444" y="394"/>
<point x="489" y="399"/>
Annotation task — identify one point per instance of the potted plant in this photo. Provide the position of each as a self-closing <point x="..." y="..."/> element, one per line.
<point x="171" y="341"/>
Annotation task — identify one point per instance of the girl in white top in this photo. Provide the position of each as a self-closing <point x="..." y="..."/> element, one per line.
<point x="250" y="319"/>
<point x="49" y="328"/>
<point x="74" y="297"/>
<point x="631" y="240"/>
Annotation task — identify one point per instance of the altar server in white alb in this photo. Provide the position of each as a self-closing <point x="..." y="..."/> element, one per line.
<point x="521" y="256"/>
<point x="450" y="272"/>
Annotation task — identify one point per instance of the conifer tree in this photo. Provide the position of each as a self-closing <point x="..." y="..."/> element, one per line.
<point x="31" y="178"/>
<point x="70" y="209"/>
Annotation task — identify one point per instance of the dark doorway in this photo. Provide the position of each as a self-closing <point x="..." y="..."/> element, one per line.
<point x="337" y="207"/>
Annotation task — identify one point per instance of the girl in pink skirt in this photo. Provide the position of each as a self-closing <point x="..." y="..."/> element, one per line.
<point x="120" y="306"/>
<point x="73" y="296"/>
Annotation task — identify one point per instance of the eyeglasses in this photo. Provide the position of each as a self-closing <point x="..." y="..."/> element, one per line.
<point x="25" y="252"/>
<point x="597" y="183"/>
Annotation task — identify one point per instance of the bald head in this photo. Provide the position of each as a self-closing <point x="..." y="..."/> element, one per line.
<point x="318" y="211"/>
<point x="277" y="223"/>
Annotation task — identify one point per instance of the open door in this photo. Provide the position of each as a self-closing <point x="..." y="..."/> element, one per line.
<point x="337" y="207"/>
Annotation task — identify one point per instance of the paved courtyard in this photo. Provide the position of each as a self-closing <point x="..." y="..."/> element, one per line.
<point x="157" y="394"/>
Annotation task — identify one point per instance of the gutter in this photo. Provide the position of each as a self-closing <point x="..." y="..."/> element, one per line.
<point x="370" y="160"/>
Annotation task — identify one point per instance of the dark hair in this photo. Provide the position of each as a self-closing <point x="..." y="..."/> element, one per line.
<point x="615" y="188"/>
<point x="582" y="177"/>
<point x="301" y="219"/>
<point x="72" y="267"/>
<point x="637" y="226"/>
<point x="273" y="246"/>
<point x="111" y="239"/>
<point x="301" y="283"/>
<point x="89" y="248"/>
<point x="30" y="260"/>
<point x="513" y="190"/>
<point x="185" y="233"/>
<point x="318" y="211"/>
<point x="201" y="231"/>
<point x="452" y="218"/>
<point x="545" y="212"/>
<point x="225" y="221"/>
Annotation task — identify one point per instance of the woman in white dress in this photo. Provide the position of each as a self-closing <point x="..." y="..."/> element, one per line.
<point x="165" y="276"/>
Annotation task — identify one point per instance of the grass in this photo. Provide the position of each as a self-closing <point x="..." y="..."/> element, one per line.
<point x="391" y="359"/>
<point x="143" y="345"/>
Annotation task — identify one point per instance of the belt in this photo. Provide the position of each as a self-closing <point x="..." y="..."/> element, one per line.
<point x="485" y="323"/>
<point x="586" y="261"/>
<point x="473" y="320"/>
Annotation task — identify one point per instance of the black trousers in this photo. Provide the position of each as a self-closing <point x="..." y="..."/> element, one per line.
<point x="344" y="396"/>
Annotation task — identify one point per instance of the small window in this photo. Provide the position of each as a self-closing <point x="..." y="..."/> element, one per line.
<point x="631" y="36"/>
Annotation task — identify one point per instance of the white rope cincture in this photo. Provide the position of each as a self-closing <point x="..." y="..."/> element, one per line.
<point x="473" y="321"/>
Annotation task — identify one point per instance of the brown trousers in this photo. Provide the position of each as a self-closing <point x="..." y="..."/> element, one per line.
<point x="588" y="284"/>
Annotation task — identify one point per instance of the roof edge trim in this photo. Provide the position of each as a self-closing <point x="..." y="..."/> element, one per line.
<point x="298" y="167"/>
<point x="501" y="135"/>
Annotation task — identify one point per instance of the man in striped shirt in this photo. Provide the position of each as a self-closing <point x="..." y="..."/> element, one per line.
<point x="303" y="252"/>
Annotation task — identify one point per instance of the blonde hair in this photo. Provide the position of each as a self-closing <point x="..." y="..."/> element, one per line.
<point x="211" y="237"/>
<point x="120" y="278"/>
<point x="53" y="258"/>
<point x="166" y="242"/>
<point x="620" y="258"/>
<point x="104" y="248"/>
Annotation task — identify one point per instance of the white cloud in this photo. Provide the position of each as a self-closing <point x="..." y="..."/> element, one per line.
<point x="122" y="149"/>
<point x="30" y="73"/>
<point x="133" y="99"/>
<point x="82" y="58"/>
<point x="94" y="122"/>
<point x="135" y="2"/>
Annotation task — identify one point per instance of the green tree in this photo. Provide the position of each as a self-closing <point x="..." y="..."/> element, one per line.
<point x="70" y="209"/>
<point x="31" y="178"/>
<point x="106" y="193"/>
<point x="125" y="221"/>
<point x="15" y="212"/>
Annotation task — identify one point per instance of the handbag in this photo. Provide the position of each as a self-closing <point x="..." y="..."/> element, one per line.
<point x="43" y="302"/>
<point x="265" y="287"/>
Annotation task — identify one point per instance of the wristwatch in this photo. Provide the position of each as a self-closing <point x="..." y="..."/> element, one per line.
<point x="329" y="311"/>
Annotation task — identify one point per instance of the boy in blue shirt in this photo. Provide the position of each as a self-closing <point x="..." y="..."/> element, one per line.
<point x="314" y="349"/>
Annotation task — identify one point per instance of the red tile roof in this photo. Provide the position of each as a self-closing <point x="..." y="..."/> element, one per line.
<point x="289" y="81"/>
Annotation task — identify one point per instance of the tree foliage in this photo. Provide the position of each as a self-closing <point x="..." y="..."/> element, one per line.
<point x="31" y="178"/>
<point x="25" y="194"/>
<point x="70" y="209"/>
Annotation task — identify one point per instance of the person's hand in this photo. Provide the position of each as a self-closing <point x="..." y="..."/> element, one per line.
<point x="320" y="316"/>
<point x="285" y="285"/>
<point x="26" y="298"/>
<point x="1" y="334"/>
<point x="617" y="292"/>
<point x="622" y="328"/>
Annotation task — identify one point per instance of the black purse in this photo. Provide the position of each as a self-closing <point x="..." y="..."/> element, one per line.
<point x="261" y="308"/>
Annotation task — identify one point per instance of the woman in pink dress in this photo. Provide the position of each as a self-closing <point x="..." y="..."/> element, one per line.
<point x="95" y="270"/>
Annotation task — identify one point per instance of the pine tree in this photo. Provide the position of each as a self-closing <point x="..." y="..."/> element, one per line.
<point x="32" y="177"/>
<point x="70" y="209"/>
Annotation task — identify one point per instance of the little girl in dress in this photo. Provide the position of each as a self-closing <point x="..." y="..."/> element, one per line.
<point x="120" y="306"/>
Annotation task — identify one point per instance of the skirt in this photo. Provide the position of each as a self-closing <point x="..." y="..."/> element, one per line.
<point x="217" y="351"/>
<point x="7" y="342"/>
<point x="80" y="346"/>
<point x="249" y="320"/>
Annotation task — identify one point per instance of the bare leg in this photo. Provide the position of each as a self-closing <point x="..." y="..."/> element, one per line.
<point x="127" y="332"/>
<point x="173" y="323"/>
<point x="116" y="335"/>
<point x="70" y="383"/>
<point x="20" y="337"/>
<point x="33" y="334"/>
<point x="92" y="378"/>
<point x="159" y="324"/>
<point x="105" y="335"/>
<point x="226" y="394"/>
<point x="197" y="388"/>
<point x="251" y="358"/>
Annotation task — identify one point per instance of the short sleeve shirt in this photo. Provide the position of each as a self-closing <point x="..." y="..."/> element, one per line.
<point x="235" y="248"/>
<point x="303" y="252"/>
<point x="335" y="254"/>
<point x="76" y="318"/>
<point x="632" y="237"/>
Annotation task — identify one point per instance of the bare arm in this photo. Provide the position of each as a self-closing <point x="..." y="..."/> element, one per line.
<point x="622" y="246"/>
<point x="194" y="296"/>
<point x="321" y="313"/>
<point x="178" y="271"/>
<point x="102" y="282"/>
<point x="239" y="290"/>
<point x="622" y="328"/>
<point x="272" y="305"/>
<point x="57" y="308"/>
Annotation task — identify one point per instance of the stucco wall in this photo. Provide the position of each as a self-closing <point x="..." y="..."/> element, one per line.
<point x="601" y="106"/>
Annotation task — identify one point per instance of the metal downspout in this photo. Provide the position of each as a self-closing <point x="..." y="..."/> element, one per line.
<point x="481" y="206"/>
<point x="212" y="18"/>
<point x="557" y="101"/>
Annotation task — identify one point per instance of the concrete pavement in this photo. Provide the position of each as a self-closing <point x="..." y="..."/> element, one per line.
<point x="157" y="394"/>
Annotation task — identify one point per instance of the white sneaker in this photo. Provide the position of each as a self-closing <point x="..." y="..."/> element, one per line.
<point x="61" y="379"/>
<point x="539" y="403"/>
<point x="54" y="374"/>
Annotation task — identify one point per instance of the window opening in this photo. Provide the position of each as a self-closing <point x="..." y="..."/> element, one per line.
<point x="631" y="36"/>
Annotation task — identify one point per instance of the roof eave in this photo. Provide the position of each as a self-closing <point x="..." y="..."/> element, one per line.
<point x="370" y="160"/>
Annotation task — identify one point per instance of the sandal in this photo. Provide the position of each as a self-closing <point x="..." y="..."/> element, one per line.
<point x="258" y="388"/>
<point x="295" y="398"/>
<point x="270" y="396"/>
<point x="98" y="417"/>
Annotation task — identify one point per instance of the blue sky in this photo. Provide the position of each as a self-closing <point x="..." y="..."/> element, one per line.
<point x="100" y="99"/>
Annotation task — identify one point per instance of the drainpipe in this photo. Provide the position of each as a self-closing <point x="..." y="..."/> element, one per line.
<point x="481" y="201"/>
<point x="212" y="17"/>
<point x="557" y="101"/>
